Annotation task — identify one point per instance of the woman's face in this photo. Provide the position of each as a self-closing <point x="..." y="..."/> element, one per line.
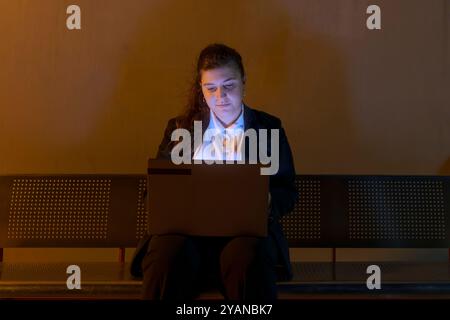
<point x="223" y="89"/>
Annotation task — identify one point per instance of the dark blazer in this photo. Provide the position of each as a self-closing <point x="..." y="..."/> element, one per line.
<point x="281" y="185"/>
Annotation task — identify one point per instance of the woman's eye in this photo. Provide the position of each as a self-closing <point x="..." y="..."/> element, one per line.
<point x="211" y="89"/>
<point x="229" y="86"/>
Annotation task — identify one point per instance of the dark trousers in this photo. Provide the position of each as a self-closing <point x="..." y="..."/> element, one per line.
<point x="179" y="267"/>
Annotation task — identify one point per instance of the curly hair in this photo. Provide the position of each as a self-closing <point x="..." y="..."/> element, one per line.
<point x="215" y="55"/>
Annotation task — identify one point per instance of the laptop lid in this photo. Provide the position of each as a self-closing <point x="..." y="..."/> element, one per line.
<point x="207" y="200"/>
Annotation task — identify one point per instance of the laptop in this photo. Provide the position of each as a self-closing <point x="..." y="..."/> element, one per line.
<point x="207" y="200"/>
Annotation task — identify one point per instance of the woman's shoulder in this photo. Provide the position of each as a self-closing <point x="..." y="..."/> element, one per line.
<point x="266" y="119"/>
<point x="172" y="124"/>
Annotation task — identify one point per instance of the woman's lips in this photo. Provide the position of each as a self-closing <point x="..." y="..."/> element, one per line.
<point x="223" y="105"/>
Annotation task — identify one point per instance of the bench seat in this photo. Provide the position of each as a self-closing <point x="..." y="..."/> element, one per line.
<point x="111" y="280"/>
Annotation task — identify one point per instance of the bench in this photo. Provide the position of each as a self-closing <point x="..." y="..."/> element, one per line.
<point x="333" y="211"/>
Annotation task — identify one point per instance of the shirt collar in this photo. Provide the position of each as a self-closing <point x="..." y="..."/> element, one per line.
<point x="214" y="123"/>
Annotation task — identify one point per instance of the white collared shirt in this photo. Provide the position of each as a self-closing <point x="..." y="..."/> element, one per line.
<point x="220" y="143"/>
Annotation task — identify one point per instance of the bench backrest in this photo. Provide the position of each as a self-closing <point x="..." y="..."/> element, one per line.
<point x="72" y="210"/>
<point x="332" y="211"/>
<point x="350" y="211"/>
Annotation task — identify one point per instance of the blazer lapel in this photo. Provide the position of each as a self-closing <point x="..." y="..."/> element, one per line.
<point x="249" y="123"/>
<point x="249" y="118"/>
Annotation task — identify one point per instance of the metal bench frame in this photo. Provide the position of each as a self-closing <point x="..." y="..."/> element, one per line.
<point x="333" y="211"/>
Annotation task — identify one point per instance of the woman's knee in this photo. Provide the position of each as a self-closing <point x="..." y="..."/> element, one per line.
<point x="170" y="268"/>
<point x="244" y="253"/>
<point x="248" y="269"/>
<point x="170" y="252"/>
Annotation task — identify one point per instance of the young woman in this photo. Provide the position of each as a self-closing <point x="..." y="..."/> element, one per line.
<point x="177" y="266"/>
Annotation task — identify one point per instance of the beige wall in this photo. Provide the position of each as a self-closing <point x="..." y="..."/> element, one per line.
<point x="351" y="100"/>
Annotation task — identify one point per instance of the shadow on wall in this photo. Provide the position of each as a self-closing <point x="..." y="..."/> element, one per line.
<point x="297" y="72"/>
<point x="444" y="170"/>
<point x="293" y="72"/>
<point x="314" y="91"/>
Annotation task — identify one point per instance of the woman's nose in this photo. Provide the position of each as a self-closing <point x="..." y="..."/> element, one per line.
<point x="220" y="92"/>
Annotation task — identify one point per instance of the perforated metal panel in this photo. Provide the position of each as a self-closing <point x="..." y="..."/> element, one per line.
<point x="69" y="210"/>
<point x="59" y="209"/>
<point x="396" y="210"/>
<point x="332" y="211"/>
<point x="358" y="211"/>
<point x="304" y="223"/>
<point x="141" y="222"/>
